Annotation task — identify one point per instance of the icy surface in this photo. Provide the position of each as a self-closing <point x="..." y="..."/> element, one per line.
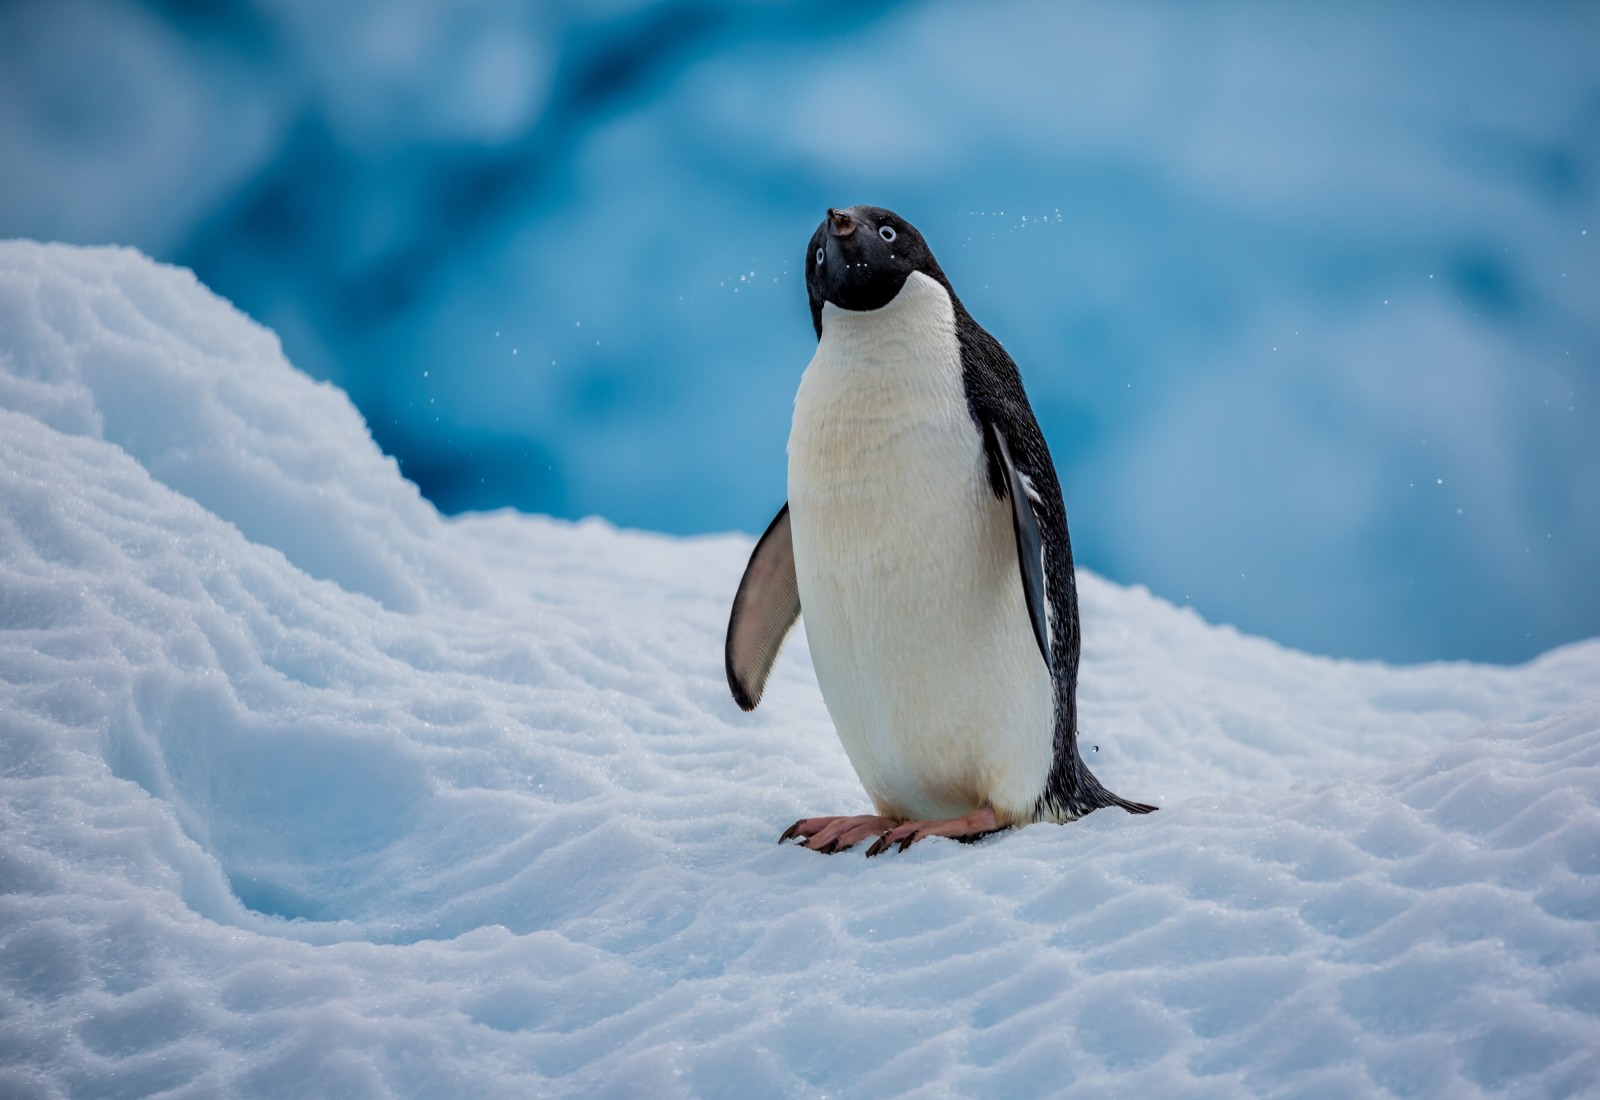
<point x="306" y="791"/>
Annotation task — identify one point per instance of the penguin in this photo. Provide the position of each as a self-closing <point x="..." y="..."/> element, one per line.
<point x="925" y="539"/>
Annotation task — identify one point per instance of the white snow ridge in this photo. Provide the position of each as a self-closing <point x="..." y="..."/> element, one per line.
<point x="306" y="791"/>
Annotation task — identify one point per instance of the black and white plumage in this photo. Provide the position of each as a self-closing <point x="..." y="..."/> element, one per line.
<point x="926" y="539"/>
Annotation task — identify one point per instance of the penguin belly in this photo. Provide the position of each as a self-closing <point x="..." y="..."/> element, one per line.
<point x="907" y="569"/>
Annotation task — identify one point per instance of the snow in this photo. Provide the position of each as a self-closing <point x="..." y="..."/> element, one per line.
<point x="307" y="790"/>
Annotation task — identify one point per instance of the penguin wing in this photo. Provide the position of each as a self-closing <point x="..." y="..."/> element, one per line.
<point x="764" y="611"/>
<point x="1030" y="544"/>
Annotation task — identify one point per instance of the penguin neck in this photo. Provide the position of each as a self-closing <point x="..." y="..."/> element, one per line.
<point x="889" y="363"/>
<point x="880" y="380"/>
<point x="922" y="312"/>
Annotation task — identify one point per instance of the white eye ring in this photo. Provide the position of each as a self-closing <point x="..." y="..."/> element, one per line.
<point x="886" y="232"/>
<point x="819" y="257"/>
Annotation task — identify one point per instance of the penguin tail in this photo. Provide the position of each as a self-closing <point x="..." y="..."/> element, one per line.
<point x="1100" y="798"/>
<point x="1132" y="807"/>
<point x="1084" y="798"/>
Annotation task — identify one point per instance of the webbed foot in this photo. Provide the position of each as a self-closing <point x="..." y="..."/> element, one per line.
<point x="835" y="834"/>
<point x="980" y="822"/>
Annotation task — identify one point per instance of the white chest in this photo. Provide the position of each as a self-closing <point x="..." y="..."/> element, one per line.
<point x="908" y="572"/>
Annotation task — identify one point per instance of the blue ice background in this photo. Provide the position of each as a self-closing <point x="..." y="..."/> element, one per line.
<point x="1307" y="299"/>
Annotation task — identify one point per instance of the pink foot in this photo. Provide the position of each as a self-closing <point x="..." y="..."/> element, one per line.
<point x="835" y="834"/>
<point x="979" y="822"/>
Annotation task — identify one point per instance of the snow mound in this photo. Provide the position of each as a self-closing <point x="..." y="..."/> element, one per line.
<point x="307" y="791"/>
<point x="98" y="348"/>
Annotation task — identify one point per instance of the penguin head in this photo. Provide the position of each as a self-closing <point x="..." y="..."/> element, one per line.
<point x="860" y="257"/>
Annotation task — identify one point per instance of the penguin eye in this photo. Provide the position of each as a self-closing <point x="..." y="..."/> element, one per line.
<point x="886" y="232"/>
<point x="819" y="257"/>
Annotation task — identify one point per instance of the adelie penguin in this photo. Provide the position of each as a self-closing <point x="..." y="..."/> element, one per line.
<point x="926" y="541"/>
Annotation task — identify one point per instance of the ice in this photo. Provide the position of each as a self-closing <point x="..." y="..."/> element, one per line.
<point x="308" y="791"/>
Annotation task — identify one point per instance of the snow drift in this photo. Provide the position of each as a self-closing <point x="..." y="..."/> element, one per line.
<point x="305" y="790"/>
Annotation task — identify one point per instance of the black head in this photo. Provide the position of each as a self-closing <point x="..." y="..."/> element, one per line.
<point x="860" y="258"/>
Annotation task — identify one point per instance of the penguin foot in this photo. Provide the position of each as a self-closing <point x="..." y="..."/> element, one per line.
<point x="835" y="834"/>
<point x="979" y="823"/>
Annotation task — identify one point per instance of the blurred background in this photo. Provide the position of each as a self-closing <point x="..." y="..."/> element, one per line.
<point x="1307" y="297"/>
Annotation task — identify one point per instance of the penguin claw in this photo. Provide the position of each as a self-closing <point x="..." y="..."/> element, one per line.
<point x="979" y="823"/>
<point x="834" y="834"/>
<point x="829" y="835"/>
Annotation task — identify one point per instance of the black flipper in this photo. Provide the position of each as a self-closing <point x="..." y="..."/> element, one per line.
<point x="764" y="611"/>
<point x="1030" y="546"/>
<point x="1019" y="467"/>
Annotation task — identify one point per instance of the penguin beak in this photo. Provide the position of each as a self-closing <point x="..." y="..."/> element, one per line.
<point x="840" y="224"/>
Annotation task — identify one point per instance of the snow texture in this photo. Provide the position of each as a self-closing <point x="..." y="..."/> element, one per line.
<point x="308" y="791"/>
